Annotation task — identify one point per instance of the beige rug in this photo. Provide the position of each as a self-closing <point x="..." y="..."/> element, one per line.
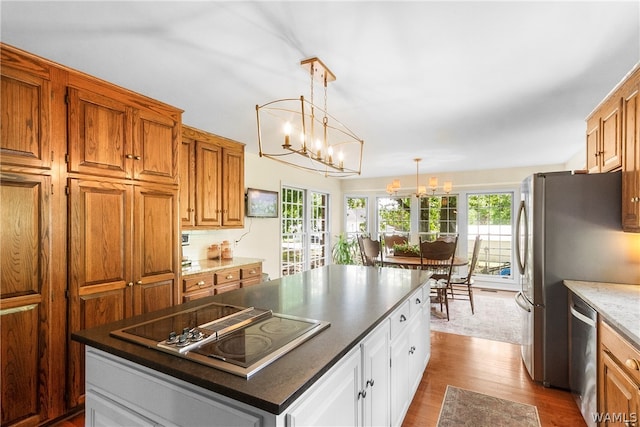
<point x="496" y="317"/>
<point x="462" y="407"/>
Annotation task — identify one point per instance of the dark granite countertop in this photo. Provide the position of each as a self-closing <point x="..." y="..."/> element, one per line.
<point x="212" y="265"/>
<point x="354" y="299"/>
<point x="618" y="304"/>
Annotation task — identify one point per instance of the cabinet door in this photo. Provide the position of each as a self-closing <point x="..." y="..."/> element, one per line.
<point x="155" y="153"/>
<point x="25" y="101"/>
<point x="399" y="377"/>
<point x="416" y="352"/>
<point x="233" y="188"/>
<point x="100" y="264"/>
<point x="611" y="146"/>
<point x="593" y="144"/>
<point x="631" y="162"/>
<point x="100" y="135"/>
<point x="334" y="401"/>
<point x="619" y="394"/>
<point x="208" y="184"/>
<point x="187" y="176"/>
<point x="375" y="377"/>
<point x="25" y="299"/>
<point x="157" y="240"/>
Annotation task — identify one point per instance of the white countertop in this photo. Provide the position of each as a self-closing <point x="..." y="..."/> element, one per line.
<point x="618" y="304"/>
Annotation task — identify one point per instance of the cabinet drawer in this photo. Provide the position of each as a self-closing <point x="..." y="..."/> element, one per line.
<point x="251" y="271"/>
<point x="227" y="276"/>
<point x="198" y="282"/>
<point x="416" y="301"/>
<point x="197" y="294"/>
<point x="399" y="319"/>
<point x="620" y="349"/>
<point x="227" y="287"/>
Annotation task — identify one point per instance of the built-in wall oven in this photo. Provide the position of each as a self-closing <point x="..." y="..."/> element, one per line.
<point x="583" y="356"/>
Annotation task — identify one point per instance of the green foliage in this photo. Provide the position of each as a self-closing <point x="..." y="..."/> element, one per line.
<point x="344" y="250"/>
<point x="490" y="209"/>
<point x="406" y="248"/>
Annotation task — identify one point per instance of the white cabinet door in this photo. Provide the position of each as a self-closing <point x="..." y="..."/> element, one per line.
<point x="399" y="377"/>
<point x="375" y="378"/>
<point x="104" y="412"/>
<point x="416" y="352"/>
<point x="426" y="330"/>
<point x="334" y="402"/>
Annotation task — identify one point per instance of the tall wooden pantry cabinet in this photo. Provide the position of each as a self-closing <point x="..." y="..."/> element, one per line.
<point x="90" y="223"/>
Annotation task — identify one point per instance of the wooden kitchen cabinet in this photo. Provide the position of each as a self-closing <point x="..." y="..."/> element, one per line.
<point x="109" y="137"/>
<point x="631" y="154"/>
<point x="618" y="379"/>
<point x="604" y="137"/>
<point x="251" y="274"/>
<point x="613" y="143"/>
<point x="25" y="97"/>
<point x="123" y="256"/>
<point x="212" y="181"/>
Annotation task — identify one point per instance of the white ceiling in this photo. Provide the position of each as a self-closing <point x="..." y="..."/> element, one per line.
<point x="464" y="85"/>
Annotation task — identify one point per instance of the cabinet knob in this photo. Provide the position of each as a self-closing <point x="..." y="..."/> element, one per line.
<point x="403" y="318"/>
<point x="200" y="283"/>
<point x="632" y="364"/>
<point x="139" y="282"/>
<point x="252" y="272"/>
<point x="130" y="284"/>
<point x="129" y="156"/>
<point x="230" y="276"/>
<point x="137" y="157"/>
<point x="418" y="301"/>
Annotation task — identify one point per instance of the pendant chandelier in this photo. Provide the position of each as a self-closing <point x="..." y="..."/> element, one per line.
<point x="297" y="132"/>
<point x="421" y="190"/>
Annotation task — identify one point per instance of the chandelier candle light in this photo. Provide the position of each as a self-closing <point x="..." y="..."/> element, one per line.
<point x="326" y="146"/>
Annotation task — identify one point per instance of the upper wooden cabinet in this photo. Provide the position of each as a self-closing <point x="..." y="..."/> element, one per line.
<point x="25" y="98"/>
<point x="631" y="157"/>
<point x="108" y="136"/>
<point x="211" y="181"/>
<point x="604" y="137"/>
<point x="613" y="143"/>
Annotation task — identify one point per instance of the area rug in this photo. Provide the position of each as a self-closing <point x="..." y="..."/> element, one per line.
<point x="462" y="407"/>
<point x="496" y="317"/>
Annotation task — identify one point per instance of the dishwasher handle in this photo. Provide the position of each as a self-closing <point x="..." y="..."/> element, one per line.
<point x="581" y="317"/>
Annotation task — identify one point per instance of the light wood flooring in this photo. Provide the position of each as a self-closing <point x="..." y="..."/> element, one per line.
<point x="485" y="366"/>
<point x="490" y="367"/>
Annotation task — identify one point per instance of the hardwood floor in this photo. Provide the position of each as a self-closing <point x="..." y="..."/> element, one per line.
<point x="490" y="367"/>
<point x="485" y="366"/>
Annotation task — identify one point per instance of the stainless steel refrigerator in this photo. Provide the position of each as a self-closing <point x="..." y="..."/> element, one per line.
<point x="568" y="227"/>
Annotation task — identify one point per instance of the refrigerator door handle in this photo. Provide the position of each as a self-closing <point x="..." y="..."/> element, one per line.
<point x="522" y="219"/>
<point x="522" y="302"/>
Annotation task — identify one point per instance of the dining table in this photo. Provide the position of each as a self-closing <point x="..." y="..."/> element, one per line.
<point x="414" y="262"/>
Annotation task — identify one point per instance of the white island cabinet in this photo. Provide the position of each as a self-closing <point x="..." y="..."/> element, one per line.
<point x="371" y="385"/>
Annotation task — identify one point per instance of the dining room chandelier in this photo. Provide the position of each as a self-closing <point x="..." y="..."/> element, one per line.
<point x="421" y="190"/>
<point x="297" y="132"/>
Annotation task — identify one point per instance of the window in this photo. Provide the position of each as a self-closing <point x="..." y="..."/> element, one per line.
<point x="438" y="216"/>
<point x="490" y="216"/>
<point x="356" y="213"/>
<point x="394" y="215"/>
<point x="305" y="233"/>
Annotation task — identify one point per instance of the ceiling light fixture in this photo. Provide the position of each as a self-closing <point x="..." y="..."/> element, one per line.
<point x="433" y="185"/>
<point x="393" y="187"/>
<point x="421" y="190"/>
<point x="325" y="146"/>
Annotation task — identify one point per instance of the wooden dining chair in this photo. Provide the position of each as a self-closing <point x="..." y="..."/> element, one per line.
<point x="461" y="286"/>
<point x="437" y="256"/>
<point x="394" y="239"/>
<point x="371" y="251"/>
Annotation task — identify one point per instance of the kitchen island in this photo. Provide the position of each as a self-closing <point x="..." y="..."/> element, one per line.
<point x="368" y="308"/>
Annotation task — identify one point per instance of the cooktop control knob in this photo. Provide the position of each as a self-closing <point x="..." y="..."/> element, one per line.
<point x="173" y="338"/>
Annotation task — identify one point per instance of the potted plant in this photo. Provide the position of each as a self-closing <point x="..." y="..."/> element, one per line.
<point x="344" y="250"/>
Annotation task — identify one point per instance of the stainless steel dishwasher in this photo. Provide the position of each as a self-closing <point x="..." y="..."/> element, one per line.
<point x="583" y="349"/>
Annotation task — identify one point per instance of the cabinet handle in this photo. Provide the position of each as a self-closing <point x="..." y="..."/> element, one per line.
<point x="200" y="283"/>
<point x="632" y="364"/>
<point x="252" y="272"/>
<point x="137" y="157"/>
<point x="402" y="318"/>
<point x="139" y="282"/>
<point x="362" y="393"/>
<point x="130" y="284"/>
<point x="370" y="382"/>
<point x="129" y="156"/>
<point x="230" y="276"/>
<point x="418" y="301"/>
